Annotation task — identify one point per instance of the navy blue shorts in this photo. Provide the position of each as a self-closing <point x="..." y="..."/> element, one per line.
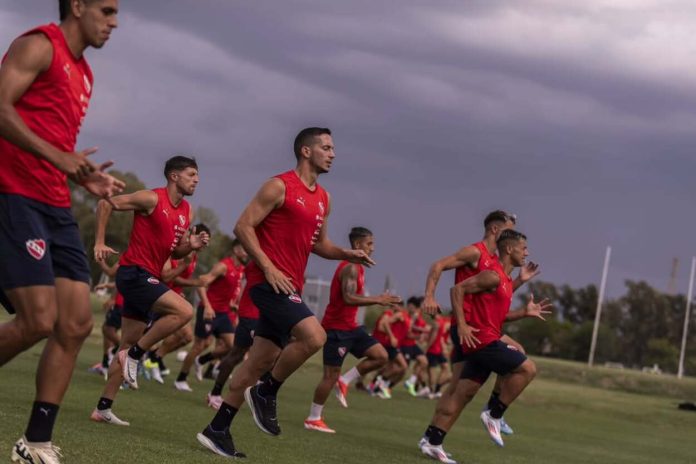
<point x="392" y="352"/>
<point x="218" y="326"/>
<point x="140" y="291"/>
<point x="457" y="354"/>
<point x="244" y="333"/>
<point x="341" y="342"/>
<point x="113" y="318"/>
<point x="38" y="243"/>
<point x="435" y="360"/>
<point x="278" y="313"/>
<point x="495" y="357"/>
<point x="411" y="352"/>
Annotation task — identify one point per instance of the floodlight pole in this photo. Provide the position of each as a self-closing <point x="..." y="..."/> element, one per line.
<point x="680" y="372"/>
<point x="600" y="299"/>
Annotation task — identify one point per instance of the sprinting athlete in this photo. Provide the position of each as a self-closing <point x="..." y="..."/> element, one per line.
<point x="283" y="224"/>
<point x="112" y="319"/>
<point x="344" y="335"/>
<point x="480" y="331"/>
<point x="160" y="231"/>
<point x="437" y="359"/>
<point x="384" y="332"/>
<point x="45" y="89"/>
<point x="417" y="382"/>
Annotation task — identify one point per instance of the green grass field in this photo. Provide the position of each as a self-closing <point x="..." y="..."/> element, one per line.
<point x="560" y="418"/>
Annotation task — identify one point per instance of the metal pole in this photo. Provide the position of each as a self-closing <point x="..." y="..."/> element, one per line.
<point x="600" y="299"/>
<point x="680" y="372"/>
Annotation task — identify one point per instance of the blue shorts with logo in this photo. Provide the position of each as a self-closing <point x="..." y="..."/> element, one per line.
<point x="218" y="326"/>
<point x="411" y="352"/>
<point x="278" y="313"/>
<point x="38" y="242"/>
<point x="140" y="291"/>
<point x="244" y="333"/>
<point x="341" y="342"/>
<point x="496" y="357"/>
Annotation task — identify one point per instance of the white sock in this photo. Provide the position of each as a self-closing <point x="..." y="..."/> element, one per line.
<point x="315" y="411"/>
<point x="411" y="380"/>
<point x="350" y="376"/>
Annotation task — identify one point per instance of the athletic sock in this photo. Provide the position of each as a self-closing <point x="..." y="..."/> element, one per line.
<point x="270" y="386"/>
<point x="217" y="389"/>
<point x="152" y="355"/>
<point x="491" y="401"/>
<point x="265" y="376"/>
<point x="411" y="380"/>
<point x="498" y="408"/>
<point x="437" y="388"/>
<point x="435" y="435"/>
<point x="182" y="377"/>
<point x="104" y="404"/>
<point x="205" y="358"/>
<point x="315" y="411"/>
<point x="114" y="350"/>
<point x="160" y="362"/>
<point x="223" y="418"/>
<point x="43" y="416"/>
<point x="105" y="360"/>
<point x="350" y="376"/>
<point x="136" y="352"/>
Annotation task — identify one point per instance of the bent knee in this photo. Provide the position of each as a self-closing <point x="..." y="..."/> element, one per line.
<point x="529" y="368"/>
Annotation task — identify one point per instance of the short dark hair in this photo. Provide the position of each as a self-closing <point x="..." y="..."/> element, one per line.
<point x="179" y="163"/>
<point x="235" y="243"/>
<point x="498" y="216"/>
<point x="64" y="8"/>
<point x="306" y="137"/>
<point x="358" y="233"/>
<point x="415" y="301"/>
<point x="200" y="227"/>
<point x="509" y="235"/>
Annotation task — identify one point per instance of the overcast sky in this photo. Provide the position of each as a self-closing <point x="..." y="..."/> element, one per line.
<point x="578" y="116"/>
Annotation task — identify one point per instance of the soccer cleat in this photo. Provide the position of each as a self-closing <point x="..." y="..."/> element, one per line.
<point x="182" y="386"/>
<point x="214" y="401"/>
<point x="35" y="453"/>
<point x="423" y="392"/>
<point x="341" y="389"/>
<point x="383" y="392"/>
<point x="219" y="442"/>
<point x="263" y="410"/>
<point x="129" y="367"/>
<point x="107" y="417"/>
<point x="437" y="453"/>
<point x="154" y="370"/>
<point x="434" y="396"/>
<point x="411" y="388"/>
<point x="492" y="426"/>
<point x="198" y="369"/>
<point x="505" y="429"/>
<point x="165" y="372"/>
<point x="318" y="425"/>
<point x="424" y="441"/>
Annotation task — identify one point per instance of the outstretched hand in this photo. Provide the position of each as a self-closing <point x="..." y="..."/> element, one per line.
<point x="359" y="257"/>
<point x="199" y="241"/>
<point x="102" y="184"/>
<point x="430" y="306"/>
<point x="529" y="271"/>
<point x="538" y="309"/>
<point x="102" y="252"/>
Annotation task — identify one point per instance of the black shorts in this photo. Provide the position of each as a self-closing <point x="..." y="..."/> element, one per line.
<point x="113" y="318"/>
<point x="457" y="355"/>
<point x="38" y="242"/>
<point x="218" y="326"/>
<point x="140" y="291"/>
<point x="278" y="313"/>
<point x="495" y="357"/>
<point x="392" y="352"/>
<point x="435" y="360"/>
<point x="341" y="342"/>
<point x="411" y="352"/>
<point x="244" y="333"/>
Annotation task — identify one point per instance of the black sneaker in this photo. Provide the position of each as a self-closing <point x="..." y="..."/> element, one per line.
<point x="263" y="410"/>
<point x="219" y="442"/>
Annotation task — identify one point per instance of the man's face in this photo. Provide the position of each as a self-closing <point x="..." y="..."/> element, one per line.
<point x="186" y="180"/>
<point x="97" y="18"/>
<point x="240" y="253"/>
<point x="518" y="252"/>
<point x="322" y="152"/>
<point x="366" y="244"/>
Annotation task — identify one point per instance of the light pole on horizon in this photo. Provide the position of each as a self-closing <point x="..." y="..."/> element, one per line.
<point x="598" y="314"/>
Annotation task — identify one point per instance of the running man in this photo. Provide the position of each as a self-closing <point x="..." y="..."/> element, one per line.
<point x="480" y="331"/>
<point x="283" y="224"/>
<point x="344" y="335"/>
<point x="437" y="359"/>
<point x="387" y="334"/>
<point x="160" y="231"/>
<point x="45" y="89"/>
<point x="417" y="383"/>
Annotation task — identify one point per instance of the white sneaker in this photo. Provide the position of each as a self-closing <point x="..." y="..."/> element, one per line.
<point x="107" y="417"/>
<point x="424" y="441"/>
<point x="214" y="401"/>
<point x="32" y="453"/>
<point x="129" y="367"/>
<point x="505" y="429"/>
<point x="156" y="374"/>
<point x="423" y="392"/>
<point x="183" y="386"/>
<point x="437" y="453"/>
<point x="181" y="355"/>
<point x="198" y="369"/>
<point x="492" y="426"/>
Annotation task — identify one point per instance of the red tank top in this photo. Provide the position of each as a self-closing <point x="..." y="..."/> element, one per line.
<point x="442" y="333"/>
<point x="53" y="107"/>
<point x="226" y="287"/>
<point x="247" y="308"/>
<point x="489" y="309"/>
<point x="288" y="234"/>
<point x="486" y="261"/>
<point x="417" y="325"/>
<point x="154" y="237"/>
<point x="380" y="335"/>
<point x="400" y="327"/>
<point x="188" y="272"/>
<point x="339" y="315"/>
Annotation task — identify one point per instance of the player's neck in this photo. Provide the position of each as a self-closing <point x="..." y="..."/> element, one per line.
<point x="73" y="38"/>
<point x="507" y="264"/>
<point x="489" y="241"/>
<point x="175" y="196"/>
<point x="307" y="174"/>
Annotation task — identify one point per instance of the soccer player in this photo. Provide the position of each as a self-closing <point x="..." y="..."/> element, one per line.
<point x="343" y="335"/>
<point x="160" y="231"/>
<point x="45" y="89"/>
<point x="480" y="330"/>
<point x="435" y="353"/>
<point x="281" y="226"/>
<point x="417" y="383"/>
<point x="213" y="315"/>
<point x="387" y="334"/>
<point x="112" y="319"/>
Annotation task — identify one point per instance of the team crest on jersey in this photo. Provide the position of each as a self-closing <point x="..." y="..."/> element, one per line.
<point x="342" y="350"/>
<point x="153" y="281"/>
<point x="88" y="86"/>
<point x="182" y="220"/>
<point x="36" y="248"/>
<point x="295" y="298"/>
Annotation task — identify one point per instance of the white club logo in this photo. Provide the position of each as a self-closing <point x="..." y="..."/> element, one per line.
<point x="36" y="248"/>
<point x="321" y="207"/>
<point x="342" y="350"/>
<point x="182" y="220"/>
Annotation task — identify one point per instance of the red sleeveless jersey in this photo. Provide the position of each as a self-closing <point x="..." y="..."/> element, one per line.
<point x="400" y="327"/>
<point x="188" y="272"/>
<point x="247" y="308"/>
<point x="489" y="309"/>
<point x="486" y="261"/>
<point x="417" y="326"/>
<point x="339" y="315"/>
<point x="441" y="326"/>
<point x="380" y="335"/>
<point x="154" y="237"/>
<point x="53" y="107"/>
<point x="288" y="234"/>
<point x="226" y="287"/>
